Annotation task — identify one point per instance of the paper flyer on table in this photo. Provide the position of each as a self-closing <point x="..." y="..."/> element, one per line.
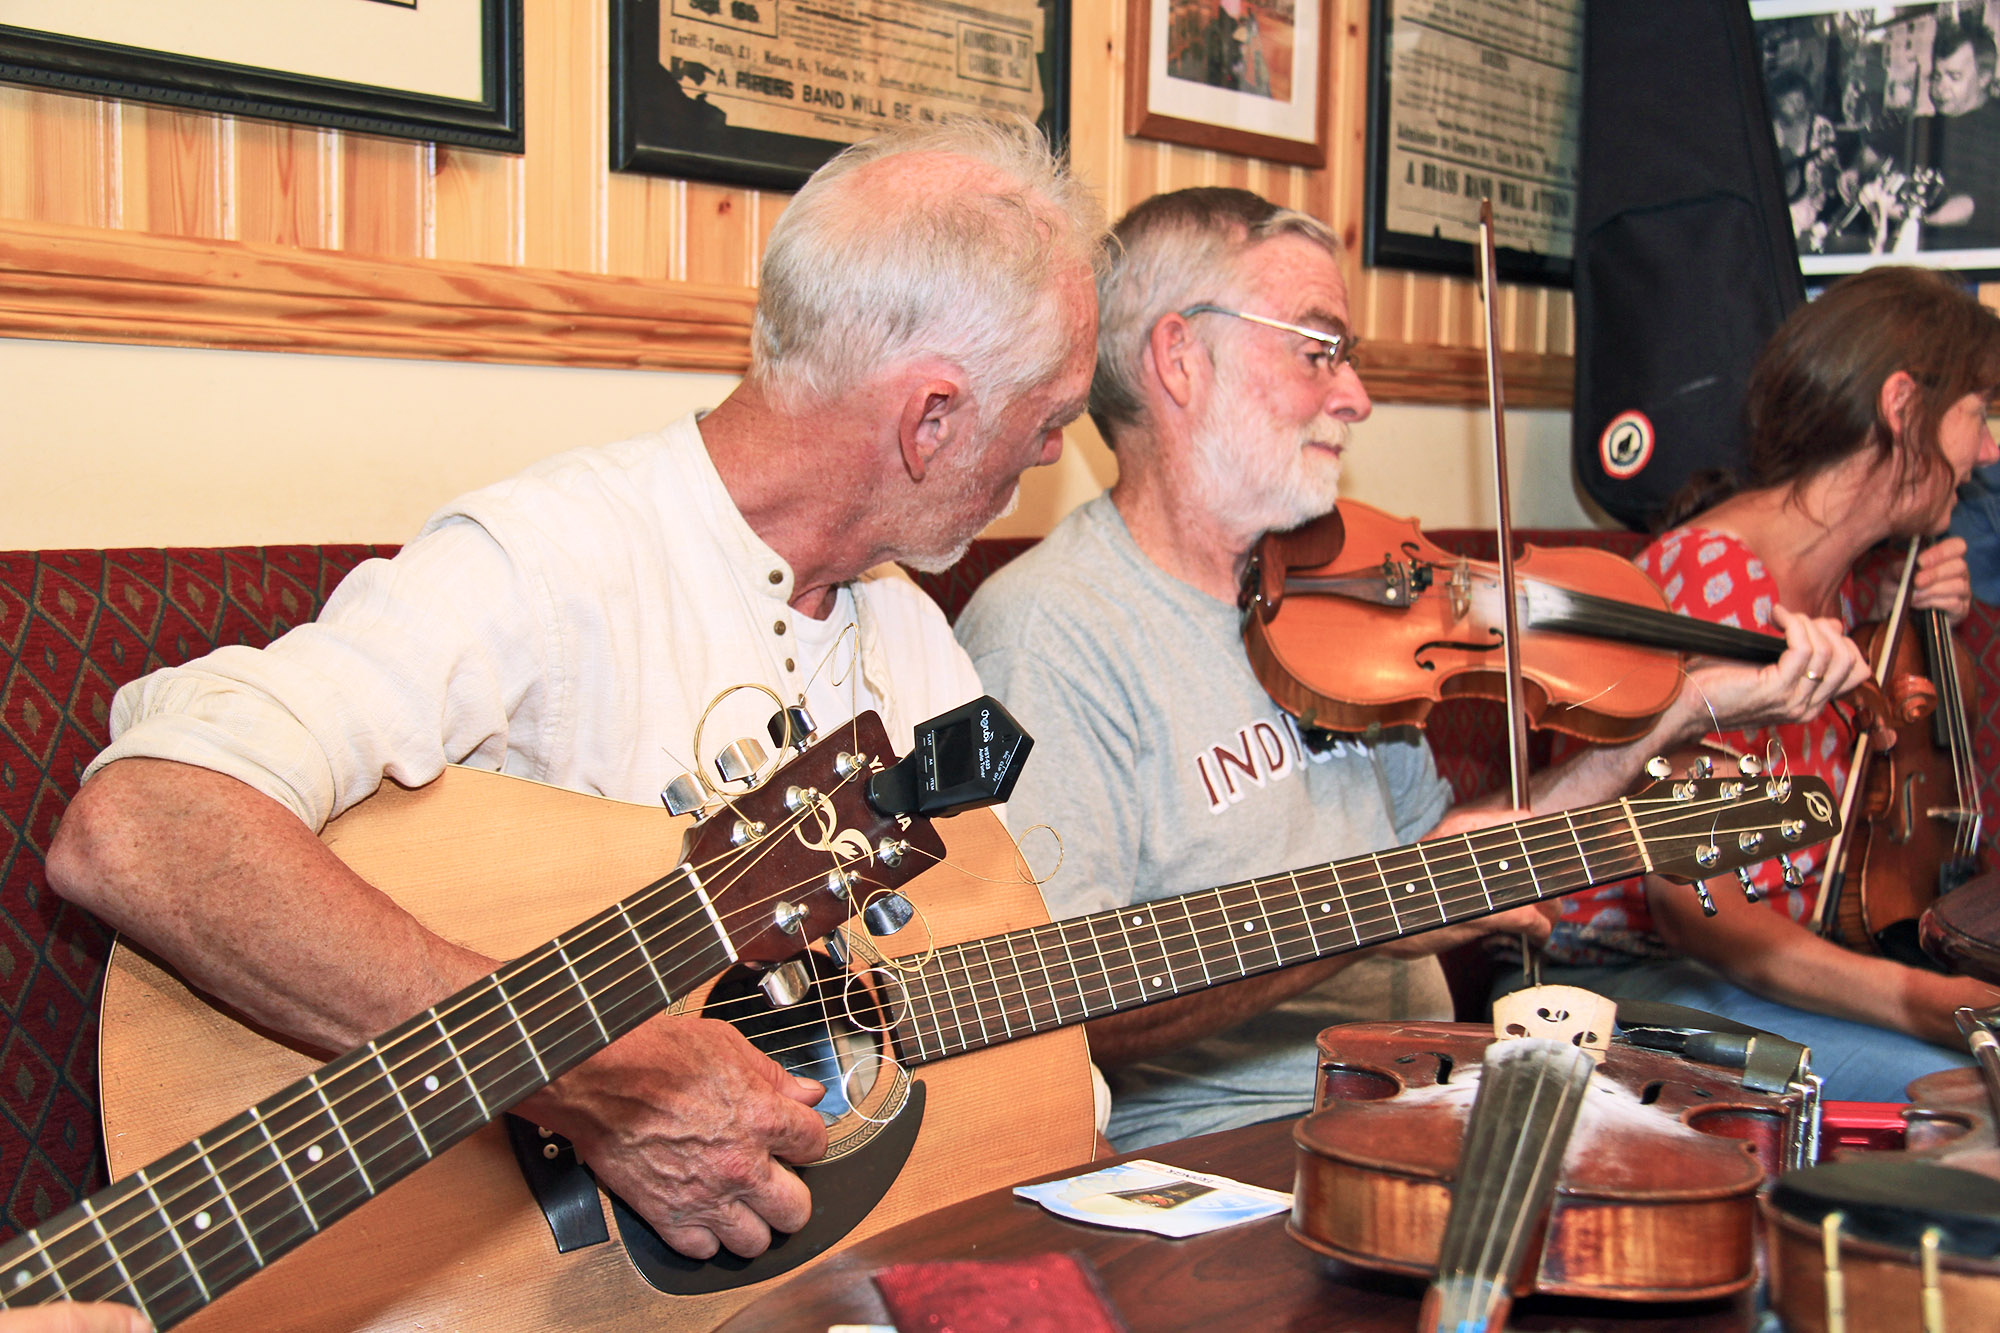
<point x="1151" y="1196"/>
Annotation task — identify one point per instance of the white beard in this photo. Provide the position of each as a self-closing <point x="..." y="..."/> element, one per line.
<point x="1258" y="475"/>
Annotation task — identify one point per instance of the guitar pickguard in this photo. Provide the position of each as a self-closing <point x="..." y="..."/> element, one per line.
<point x="874" y="1114"/>
<point x="844" y="1192"/>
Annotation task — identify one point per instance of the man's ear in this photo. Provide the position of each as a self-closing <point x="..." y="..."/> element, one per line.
<point x="1896" y="402"/>
<point x="1175" y="357"/>
<point x="931" y="419"/>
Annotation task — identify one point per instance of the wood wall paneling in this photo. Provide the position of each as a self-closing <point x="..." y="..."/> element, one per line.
<point x="155" y="177"/>
<point x="281" y="186"/>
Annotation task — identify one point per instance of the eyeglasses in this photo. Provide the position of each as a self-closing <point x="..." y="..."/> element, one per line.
<point x="1339" y="347"/>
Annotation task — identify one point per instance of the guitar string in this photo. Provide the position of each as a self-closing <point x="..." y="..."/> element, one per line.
<point x="1678" y="812"/>
<point x="717" y="866"/>
<point x="1453" y="869"/>
<point x="1684" y="811"/>
<point x="1208" y="937"/>
<point x="420" y="1101"/>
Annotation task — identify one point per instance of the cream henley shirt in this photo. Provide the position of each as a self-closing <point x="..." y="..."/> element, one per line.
<point x="569" y="625"/>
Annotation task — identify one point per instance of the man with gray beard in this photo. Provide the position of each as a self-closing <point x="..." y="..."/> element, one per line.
<point x="1225" y="385"/>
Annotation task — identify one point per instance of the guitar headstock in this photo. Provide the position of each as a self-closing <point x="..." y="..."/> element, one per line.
<point x="1697" y="827"/>
<point x="786" y="862"/>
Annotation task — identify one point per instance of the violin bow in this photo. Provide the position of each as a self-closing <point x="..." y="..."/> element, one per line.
<point x="1496" y="406"/>
<point x="1833" y="875"/>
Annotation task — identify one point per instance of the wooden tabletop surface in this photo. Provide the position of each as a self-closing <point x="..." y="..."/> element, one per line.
<point x="1251" y="1276"/>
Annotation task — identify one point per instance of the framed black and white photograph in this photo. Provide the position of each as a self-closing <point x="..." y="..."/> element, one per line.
<point x="1468" y="102"/>
<point x="1887" y="119"/>
<point x="761" y="92"/>
<point x="447" y="71"/>
<point x="1235" y="76"/>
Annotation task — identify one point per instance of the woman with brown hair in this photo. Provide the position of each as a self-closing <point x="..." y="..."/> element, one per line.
<point x="1865" y="412"/>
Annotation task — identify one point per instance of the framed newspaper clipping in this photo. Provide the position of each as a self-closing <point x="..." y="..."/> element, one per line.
<point x="761" y="92"/>
<point x="1467" y="102"/>
<point x="442" y="70"/>
<point x="1887" y="119"/>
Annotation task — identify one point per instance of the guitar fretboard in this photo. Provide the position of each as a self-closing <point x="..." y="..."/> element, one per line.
<point x="1006" y="986"/>
<point x="177" y="1233"/>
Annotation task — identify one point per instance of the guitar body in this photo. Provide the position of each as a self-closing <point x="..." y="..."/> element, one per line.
<point x="502" y="865"/>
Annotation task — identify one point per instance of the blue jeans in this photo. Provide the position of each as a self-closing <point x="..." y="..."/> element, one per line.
<point x="1857" y="1061"/>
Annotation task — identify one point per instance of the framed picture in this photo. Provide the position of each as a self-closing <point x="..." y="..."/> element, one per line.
<point x="441" y="70"/>
<point x="1468" y="102"/>
<point x="1238" y="76"/>
<point x="761" y="92"/>
<point x="1888" y="127"/>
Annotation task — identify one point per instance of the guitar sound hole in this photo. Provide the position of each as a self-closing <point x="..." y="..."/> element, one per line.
<point x="819" y="1037"/>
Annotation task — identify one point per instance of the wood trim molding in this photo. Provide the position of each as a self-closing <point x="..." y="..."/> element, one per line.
<point x="1456" y="376"/>
<point x="97" y="285"/>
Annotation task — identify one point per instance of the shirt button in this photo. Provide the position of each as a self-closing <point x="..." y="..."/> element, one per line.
<point x="777" y="627"/>
<point x="790" y="665"/>
<point x="777" y="576"/>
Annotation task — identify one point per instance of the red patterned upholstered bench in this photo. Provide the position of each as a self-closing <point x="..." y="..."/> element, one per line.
<point x="75" y="625"/>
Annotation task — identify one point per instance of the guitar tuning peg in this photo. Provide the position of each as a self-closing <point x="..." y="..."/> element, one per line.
<point x="739" y="761"/>
<point x="887" y="914"/>
<point x="683" y="796"/>
<point x="836" y="948"/>
<point x="1702" y="767"/>
<point x="1749" y="885"/>
<point x="1794" y="877"/>
<point x="787" y="983"/>
<point x="1707" y="902"/>
<point x="791" y="729"/>
<point x="1749" y="766"/>
<point x="1658" y="767"/>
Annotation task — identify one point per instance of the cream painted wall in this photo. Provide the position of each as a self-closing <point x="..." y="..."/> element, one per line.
<point x="109" y="445"/>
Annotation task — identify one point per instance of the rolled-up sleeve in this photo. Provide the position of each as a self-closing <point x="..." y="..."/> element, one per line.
<point x="415" y="662"/>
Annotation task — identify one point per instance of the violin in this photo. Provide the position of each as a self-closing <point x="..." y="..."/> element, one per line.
<point x="1897" y="1240"/>
<point x="1357" y="620"/>
<point x="1914" y="811"/>
<point x="1655" y="1198"/>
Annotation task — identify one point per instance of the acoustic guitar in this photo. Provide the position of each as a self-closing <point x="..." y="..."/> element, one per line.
<point x="463" y="1246"/>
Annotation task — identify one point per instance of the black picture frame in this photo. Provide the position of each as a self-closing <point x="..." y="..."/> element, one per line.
<point x="1385" y="247"/>
<point x="1868" y="122"/>
<point x="657" y="129"/>
<point x="80" y="65"/>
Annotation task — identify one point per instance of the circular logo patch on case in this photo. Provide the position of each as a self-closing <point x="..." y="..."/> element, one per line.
<point x="1626" y="445"/>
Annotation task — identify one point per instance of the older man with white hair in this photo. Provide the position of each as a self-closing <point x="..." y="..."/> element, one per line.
<point x="923" y="333"/>
<point x="1226" y="386"/>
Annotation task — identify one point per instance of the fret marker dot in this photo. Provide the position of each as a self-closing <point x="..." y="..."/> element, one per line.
<point x="1249" y="926"/>
<point x="21" y="1278"/>
<point x="431" y="1083"/>
<point x="1157" y="982"/>
<point x="1138" y="920"/>
<point x="1325" y="907"/>
<point x="1410" y="888"/>
<point x="314" y="1153"/>
<point x="201" y="1221"/>
<point x="1506" y="865"/>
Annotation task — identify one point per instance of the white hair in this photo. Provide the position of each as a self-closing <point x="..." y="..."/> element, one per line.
<point x="1172" y="251"/>
<point x="861" y="271"/>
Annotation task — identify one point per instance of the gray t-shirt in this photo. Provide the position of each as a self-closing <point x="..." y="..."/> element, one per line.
<point x="1165" y="767"/>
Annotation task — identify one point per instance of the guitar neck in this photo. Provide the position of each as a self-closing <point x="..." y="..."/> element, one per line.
<point x="177" y="1233"/>
<point x="991" y="990"/>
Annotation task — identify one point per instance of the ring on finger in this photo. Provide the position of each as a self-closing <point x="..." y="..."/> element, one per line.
<point x="1814" y="676"/>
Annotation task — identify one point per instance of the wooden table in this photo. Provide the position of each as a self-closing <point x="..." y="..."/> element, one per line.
<point x="1251" y="1276"/>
